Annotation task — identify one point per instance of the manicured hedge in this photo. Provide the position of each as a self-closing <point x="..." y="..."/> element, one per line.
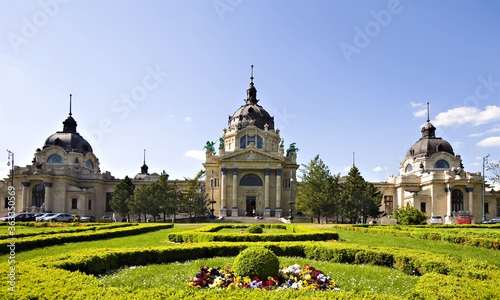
<point x="209" y="234"/>
<point x="29" y="243"/>
<point x="68" y="229"/>
<point x="488" y="239"/>
<point x="61" y="277"/>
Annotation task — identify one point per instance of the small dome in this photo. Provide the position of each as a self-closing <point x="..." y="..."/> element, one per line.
<point x="429" y="144"/>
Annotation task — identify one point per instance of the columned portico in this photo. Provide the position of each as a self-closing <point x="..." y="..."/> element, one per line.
<point x="278" y="210"/>
<point x="470" y="191"/>
<point x="267" y="209"/>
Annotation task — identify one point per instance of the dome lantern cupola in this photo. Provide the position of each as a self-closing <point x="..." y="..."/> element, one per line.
<point x="251" y="113"/>
<point x="69" y="139"/>
<point x="429" y="144"/>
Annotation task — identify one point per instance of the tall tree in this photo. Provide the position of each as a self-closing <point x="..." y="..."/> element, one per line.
<point x="121" y="202"/>
<point x="195" y="199"/>
<point x="359" y="198"/>
<point x="318" y="191"/>
<point x="494" y="169"/>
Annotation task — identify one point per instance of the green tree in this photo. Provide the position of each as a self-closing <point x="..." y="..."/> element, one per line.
<point x="408" y="215"/>
<point x="167" y="196"/>
<point x="494" y="169"/>
<point x="121" y="202"/>
<point x="318" y="192"/>
<point x="195" y="199"/>
<point x="359" y="198"/>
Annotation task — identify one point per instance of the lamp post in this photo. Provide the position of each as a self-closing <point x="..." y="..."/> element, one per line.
<point x="212" y="202"/>
<point x="9" y="162"/>
<point x="485" y="161"/>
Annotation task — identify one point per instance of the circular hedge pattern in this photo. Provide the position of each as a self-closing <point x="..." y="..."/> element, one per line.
<point x="254" y="229"/>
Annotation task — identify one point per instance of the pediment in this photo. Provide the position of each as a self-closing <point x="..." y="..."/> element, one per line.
<point x="251" y="155"/>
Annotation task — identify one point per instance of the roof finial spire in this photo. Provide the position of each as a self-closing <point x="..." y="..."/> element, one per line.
<point x="70" y="104"/>
<point x="144" y="155"/>
<point x="354" y="159"/>
<point x="251" y="76"/>
<point x="428" y="118"/>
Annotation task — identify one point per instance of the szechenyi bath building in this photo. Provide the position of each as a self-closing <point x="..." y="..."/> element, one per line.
<point x="252" y="173"/>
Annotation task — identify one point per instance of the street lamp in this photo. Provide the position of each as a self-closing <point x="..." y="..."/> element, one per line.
<point x="10" y="161"/>
<point x="485" y="161"/>
<point x="212" y="202"/>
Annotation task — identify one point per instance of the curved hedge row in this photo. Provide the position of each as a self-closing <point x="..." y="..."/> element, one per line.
<point x="429" y="234"/>
<point x="91" y="226"/>
<point x="209" y="234"/>
<point x="61" y="276"/>
<point x="29" y="243"/>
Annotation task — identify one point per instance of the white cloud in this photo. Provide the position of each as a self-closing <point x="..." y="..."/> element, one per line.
<point x="420" y="113"/>
<point x="458" y="144"/>
<point x="495" y="128"/>
<point x="379" y="169"/>
<point x="475" y="134"/>
<point x="347" y="169"/>
<point x="413" y="104"/>
<point x="197" y="154"/>
<point x="463" y="115"/>
<point x="188" y="119"/>
<point x="493" y="141"/>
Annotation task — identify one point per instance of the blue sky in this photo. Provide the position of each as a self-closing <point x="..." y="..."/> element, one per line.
<point x="338" y="76"/>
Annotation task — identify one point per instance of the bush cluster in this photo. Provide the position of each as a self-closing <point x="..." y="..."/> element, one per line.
<point x="254" y="229"/>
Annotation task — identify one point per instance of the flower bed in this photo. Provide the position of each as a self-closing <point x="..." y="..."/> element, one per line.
<point x="290" y="277"/>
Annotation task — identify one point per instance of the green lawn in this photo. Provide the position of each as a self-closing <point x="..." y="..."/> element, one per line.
<point x="348" y="277"/>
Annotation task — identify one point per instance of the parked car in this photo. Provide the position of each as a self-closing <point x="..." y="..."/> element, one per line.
<point x="87" y="219"/>
<point x="19" y="217"/>
<point x="492" y="221"/>
<point x="43" y="216"/>
<point x="435" y="220"/>
<point x="61" y="217"/>
<point x="464" y="219"/>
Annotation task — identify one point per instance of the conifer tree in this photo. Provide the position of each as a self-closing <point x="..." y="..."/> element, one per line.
<point x="121" y="202"/>
<point x="195" y="199"/>
<point x="318" y="192"/>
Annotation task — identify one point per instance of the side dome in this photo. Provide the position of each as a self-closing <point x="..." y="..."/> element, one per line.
<point x="251" y="112"/>
<point x="429" y="144"/>
<point x="69" y="139"/>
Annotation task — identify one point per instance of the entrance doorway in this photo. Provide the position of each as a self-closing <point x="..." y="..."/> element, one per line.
<point x="250" y="209"/>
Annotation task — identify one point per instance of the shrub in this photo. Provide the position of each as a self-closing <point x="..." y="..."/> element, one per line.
<point x="409" y="215"/>
<point x="254" y="229"/>
<point x="256" y="261"/>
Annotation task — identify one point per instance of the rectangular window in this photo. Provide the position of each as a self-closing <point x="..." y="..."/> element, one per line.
<point x="6" y="202"/>
<point x="108" y="200"/>
<point x="243" y="142"/>
<point x="388" y="204"/>
<point x="422" y="206"/>
<point x="486" y="208"/>
<point x="90" y="204"/>
<point x="74" y="203"/>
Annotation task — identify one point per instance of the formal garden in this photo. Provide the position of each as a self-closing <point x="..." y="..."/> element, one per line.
<point x="238" y="261"/>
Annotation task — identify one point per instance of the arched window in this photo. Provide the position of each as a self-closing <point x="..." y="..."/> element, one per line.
<point x="89" y="164"/>
<point x="441" y="164"/>
<point x="251" y="180"/>
<point x="55" y="159"/>
<point x="246" y="140"/>
<point x="38" y="195"/>
<point x="408" y="168"/>
<point x="457" y="200"/>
